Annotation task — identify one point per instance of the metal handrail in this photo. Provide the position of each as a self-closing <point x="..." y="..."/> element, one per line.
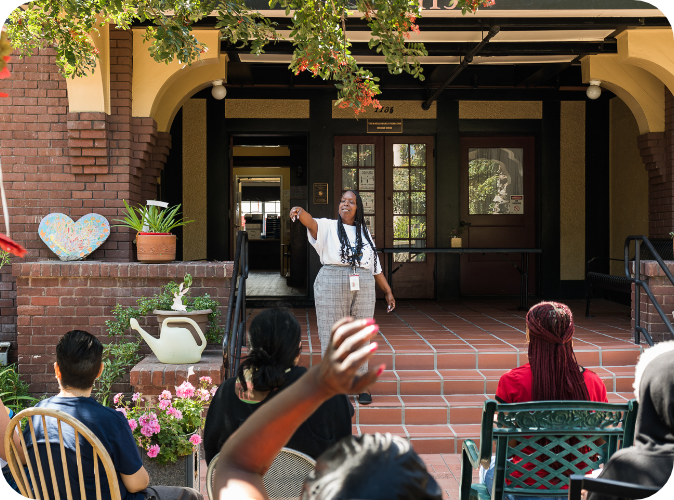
<point x="639" y="283"/>
<point x="235" y="326"/>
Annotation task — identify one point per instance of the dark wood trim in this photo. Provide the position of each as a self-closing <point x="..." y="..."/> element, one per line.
<point x="218" y="180"/>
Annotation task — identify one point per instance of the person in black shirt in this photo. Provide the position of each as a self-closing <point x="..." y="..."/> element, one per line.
<point x="650" y="460"/>
<point x="271" y="366"/>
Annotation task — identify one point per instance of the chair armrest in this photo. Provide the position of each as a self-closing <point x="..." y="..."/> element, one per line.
<point x="471" y="453"/>
<point x="469" y="461"/>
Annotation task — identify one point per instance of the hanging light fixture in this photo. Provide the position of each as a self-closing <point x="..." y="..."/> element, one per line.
<point x="594" y="90"/>
<point x="218" y="91"/>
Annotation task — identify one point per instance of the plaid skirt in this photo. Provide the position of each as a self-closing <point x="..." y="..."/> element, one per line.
<point x="335" y="300"/>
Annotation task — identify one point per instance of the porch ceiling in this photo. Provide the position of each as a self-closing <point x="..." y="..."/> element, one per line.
<point x="527" y="52"/>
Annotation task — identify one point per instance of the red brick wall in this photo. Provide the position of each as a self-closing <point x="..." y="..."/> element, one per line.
<point x="73" y="163"/>
<point x="657" y="152"/>
<point x="55" y="297"/>
<point x="663" y="291"/>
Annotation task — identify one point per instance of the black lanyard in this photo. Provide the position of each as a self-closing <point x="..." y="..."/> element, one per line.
<point x="355" y="256"/>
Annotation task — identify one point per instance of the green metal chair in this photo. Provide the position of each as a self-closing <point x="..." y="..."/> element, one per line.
<point x="517" y="430"/>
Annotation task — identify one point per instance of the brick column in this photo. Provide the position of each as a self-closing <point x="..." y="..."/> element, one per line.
<point x="657" y="152"/>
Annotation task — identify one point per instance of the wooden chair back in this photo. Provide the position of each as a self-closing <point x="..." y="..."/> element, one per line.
<point x="38" y="470"/>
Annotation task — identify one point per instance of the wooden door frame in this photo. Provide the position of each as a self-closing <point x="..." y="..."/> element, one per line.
<point x="528" y="143"/>
<point x="378" y="142"/>
<point x="429" y="140"/>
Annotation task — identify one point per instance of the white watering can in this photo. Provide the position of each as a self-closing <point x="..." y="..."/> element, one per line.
<point x="175" y="346"/>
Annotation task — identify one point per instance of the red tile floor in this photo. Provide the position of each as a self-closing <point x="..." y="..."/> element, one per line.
<point x="444" y="358"/>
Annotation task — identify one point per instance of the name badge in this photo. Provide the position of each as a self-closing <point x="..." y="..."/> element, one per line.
<point x="353" y="281"/>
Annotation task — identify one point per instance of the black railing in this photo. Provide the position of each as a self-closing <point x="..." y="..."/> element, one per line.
<point x="235" y="326"/>
<point x="639" y="284"/>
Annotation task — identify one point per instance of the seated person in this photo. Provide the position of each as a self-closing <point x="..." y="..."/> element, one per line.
<point x="369" y="467"/>
<point x="5" y="416"/>
<point x="552" y="372"/>
<point x="271" y="366"/>
<point x="78" y="365"/>
<point x="650" y="461"/>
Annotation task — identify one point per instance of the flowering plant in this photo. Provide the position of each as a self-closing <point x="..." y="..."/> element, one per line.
<point x="5" y="51"/>
<point x="168" y="429"/>
<point x="318" y="31"/>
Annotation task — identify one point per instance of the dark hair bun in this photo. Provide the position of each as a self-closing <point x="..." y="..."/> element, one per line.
<point x="275" y="338"/>
<point x="268" y="373"/>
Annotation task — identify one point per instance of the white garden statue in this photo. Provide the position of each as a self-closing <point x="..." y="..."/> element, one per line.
<point x="178" y="299"/>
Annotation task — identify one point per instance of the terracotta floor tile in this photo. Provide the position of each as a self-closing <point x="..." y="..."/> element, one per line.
<point x="396" y="430"/>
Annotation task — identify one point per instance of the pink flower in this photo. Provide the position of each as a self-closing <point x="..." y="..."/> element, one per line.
<point x="185" y="391"/>
<point x="136" y="397"/>
<point x="118" y="397"/>
<point x="133" y="424"/>
<point x="147" y="431"/>
<point x="122" y="410"/>
<point x="208" y="380"/>
<point x="214" y="390"/>
<point x="164" y="403"/>
<point x="153" y="451"/>
<point x="175" y="413"/>
<point x="195" y="439"/>
<point x="203" y="394"/>
<point x="165" y="395"/>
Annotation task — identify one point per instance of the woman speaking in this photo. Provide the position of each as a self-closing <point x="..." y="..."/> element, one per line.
<point x="345" y="284"/>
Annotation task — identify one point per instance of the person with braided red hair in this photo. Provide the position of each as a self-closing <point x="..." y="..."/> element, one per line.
<point x="552" y="373"/>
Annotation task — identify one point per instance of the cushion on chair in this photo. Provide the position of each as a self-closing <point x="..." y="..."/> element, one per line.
<point x="479" y="492"/>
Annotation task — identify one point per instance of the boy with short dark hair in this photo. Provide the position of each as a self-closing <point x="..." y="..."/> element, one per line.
<point x="78" y="364"/>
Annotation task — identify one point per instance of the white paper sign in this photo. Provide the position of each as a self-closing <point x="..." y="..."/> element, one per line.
<point x="366" y="179"/>
<point x="516" y="204"/>
<point x="369" y="222"/>
<point x="368" y="202"/>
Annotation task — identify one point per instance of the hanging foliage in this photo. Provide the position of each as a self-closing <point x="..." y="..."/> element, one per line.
<point x="318" y="32"/>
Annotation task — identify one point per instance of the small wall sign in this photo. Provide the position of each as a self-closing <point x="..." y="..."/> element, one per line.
<point x="320" y="193"/>
<point x="517" y="204"/>
<point x="377" y="126"/>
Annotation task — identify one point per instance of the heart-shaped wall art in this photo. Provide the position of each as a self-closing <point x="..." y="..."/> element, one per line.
<point x="74" y="240"/>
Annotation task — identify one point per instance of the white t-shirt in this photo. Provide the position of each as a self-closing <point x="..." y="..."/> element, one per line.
<point x="329" y="247"/>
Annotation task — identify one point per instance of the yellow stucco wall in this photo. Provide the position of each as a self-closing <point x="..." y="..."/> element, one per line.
<point x="572" y="190"/>
<point x="500" y="110"/>
<point x="628" y="182"/>
<point x="194" y="179"/>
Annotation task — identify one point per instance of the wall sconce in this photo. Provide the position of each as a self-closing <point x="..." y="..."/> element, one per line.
<point x="594" y="90"/>
<point x="218" y="91"/>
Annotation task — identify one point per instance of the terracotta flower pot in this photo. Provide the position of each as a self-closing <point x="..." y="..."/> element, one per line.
<point x="156" y="248"/>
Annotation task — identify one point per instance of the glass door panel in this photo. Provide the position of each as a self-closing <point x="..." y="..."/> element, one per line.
<point x="409" y="204"/>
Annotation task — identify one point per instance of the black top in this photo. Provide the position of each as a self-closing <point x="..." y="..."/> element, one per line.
<point x="329" y="423"/>
<point x="649" y="462"/>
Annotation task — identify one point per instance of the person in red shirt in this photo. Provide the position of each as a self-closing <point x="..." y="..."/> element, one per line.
<point x="552" y="372"/>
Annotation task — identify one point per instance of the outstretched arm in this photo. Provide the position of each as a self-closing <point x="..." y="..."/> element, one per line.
<point x="249" y="452"/>
<point x="306" y="219"/>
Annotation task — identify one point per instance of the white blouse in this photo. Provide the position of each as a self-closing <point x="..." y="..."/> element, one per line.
<point x="328" y="246"/>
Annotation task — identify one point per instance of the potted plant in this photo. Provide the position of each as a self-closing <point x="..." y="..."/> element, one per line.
<point x="154" y="242"/>
<point x="166" y="429"/>
<point x="202" y="309"/>
<point x="456" y="236"/>
<point x="121" y="354"/>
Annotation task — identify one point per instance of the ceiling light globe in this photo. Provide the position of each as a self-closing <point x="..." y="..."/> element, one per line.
<point x="594" y="90"/>
<point x="218" y="91"/>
